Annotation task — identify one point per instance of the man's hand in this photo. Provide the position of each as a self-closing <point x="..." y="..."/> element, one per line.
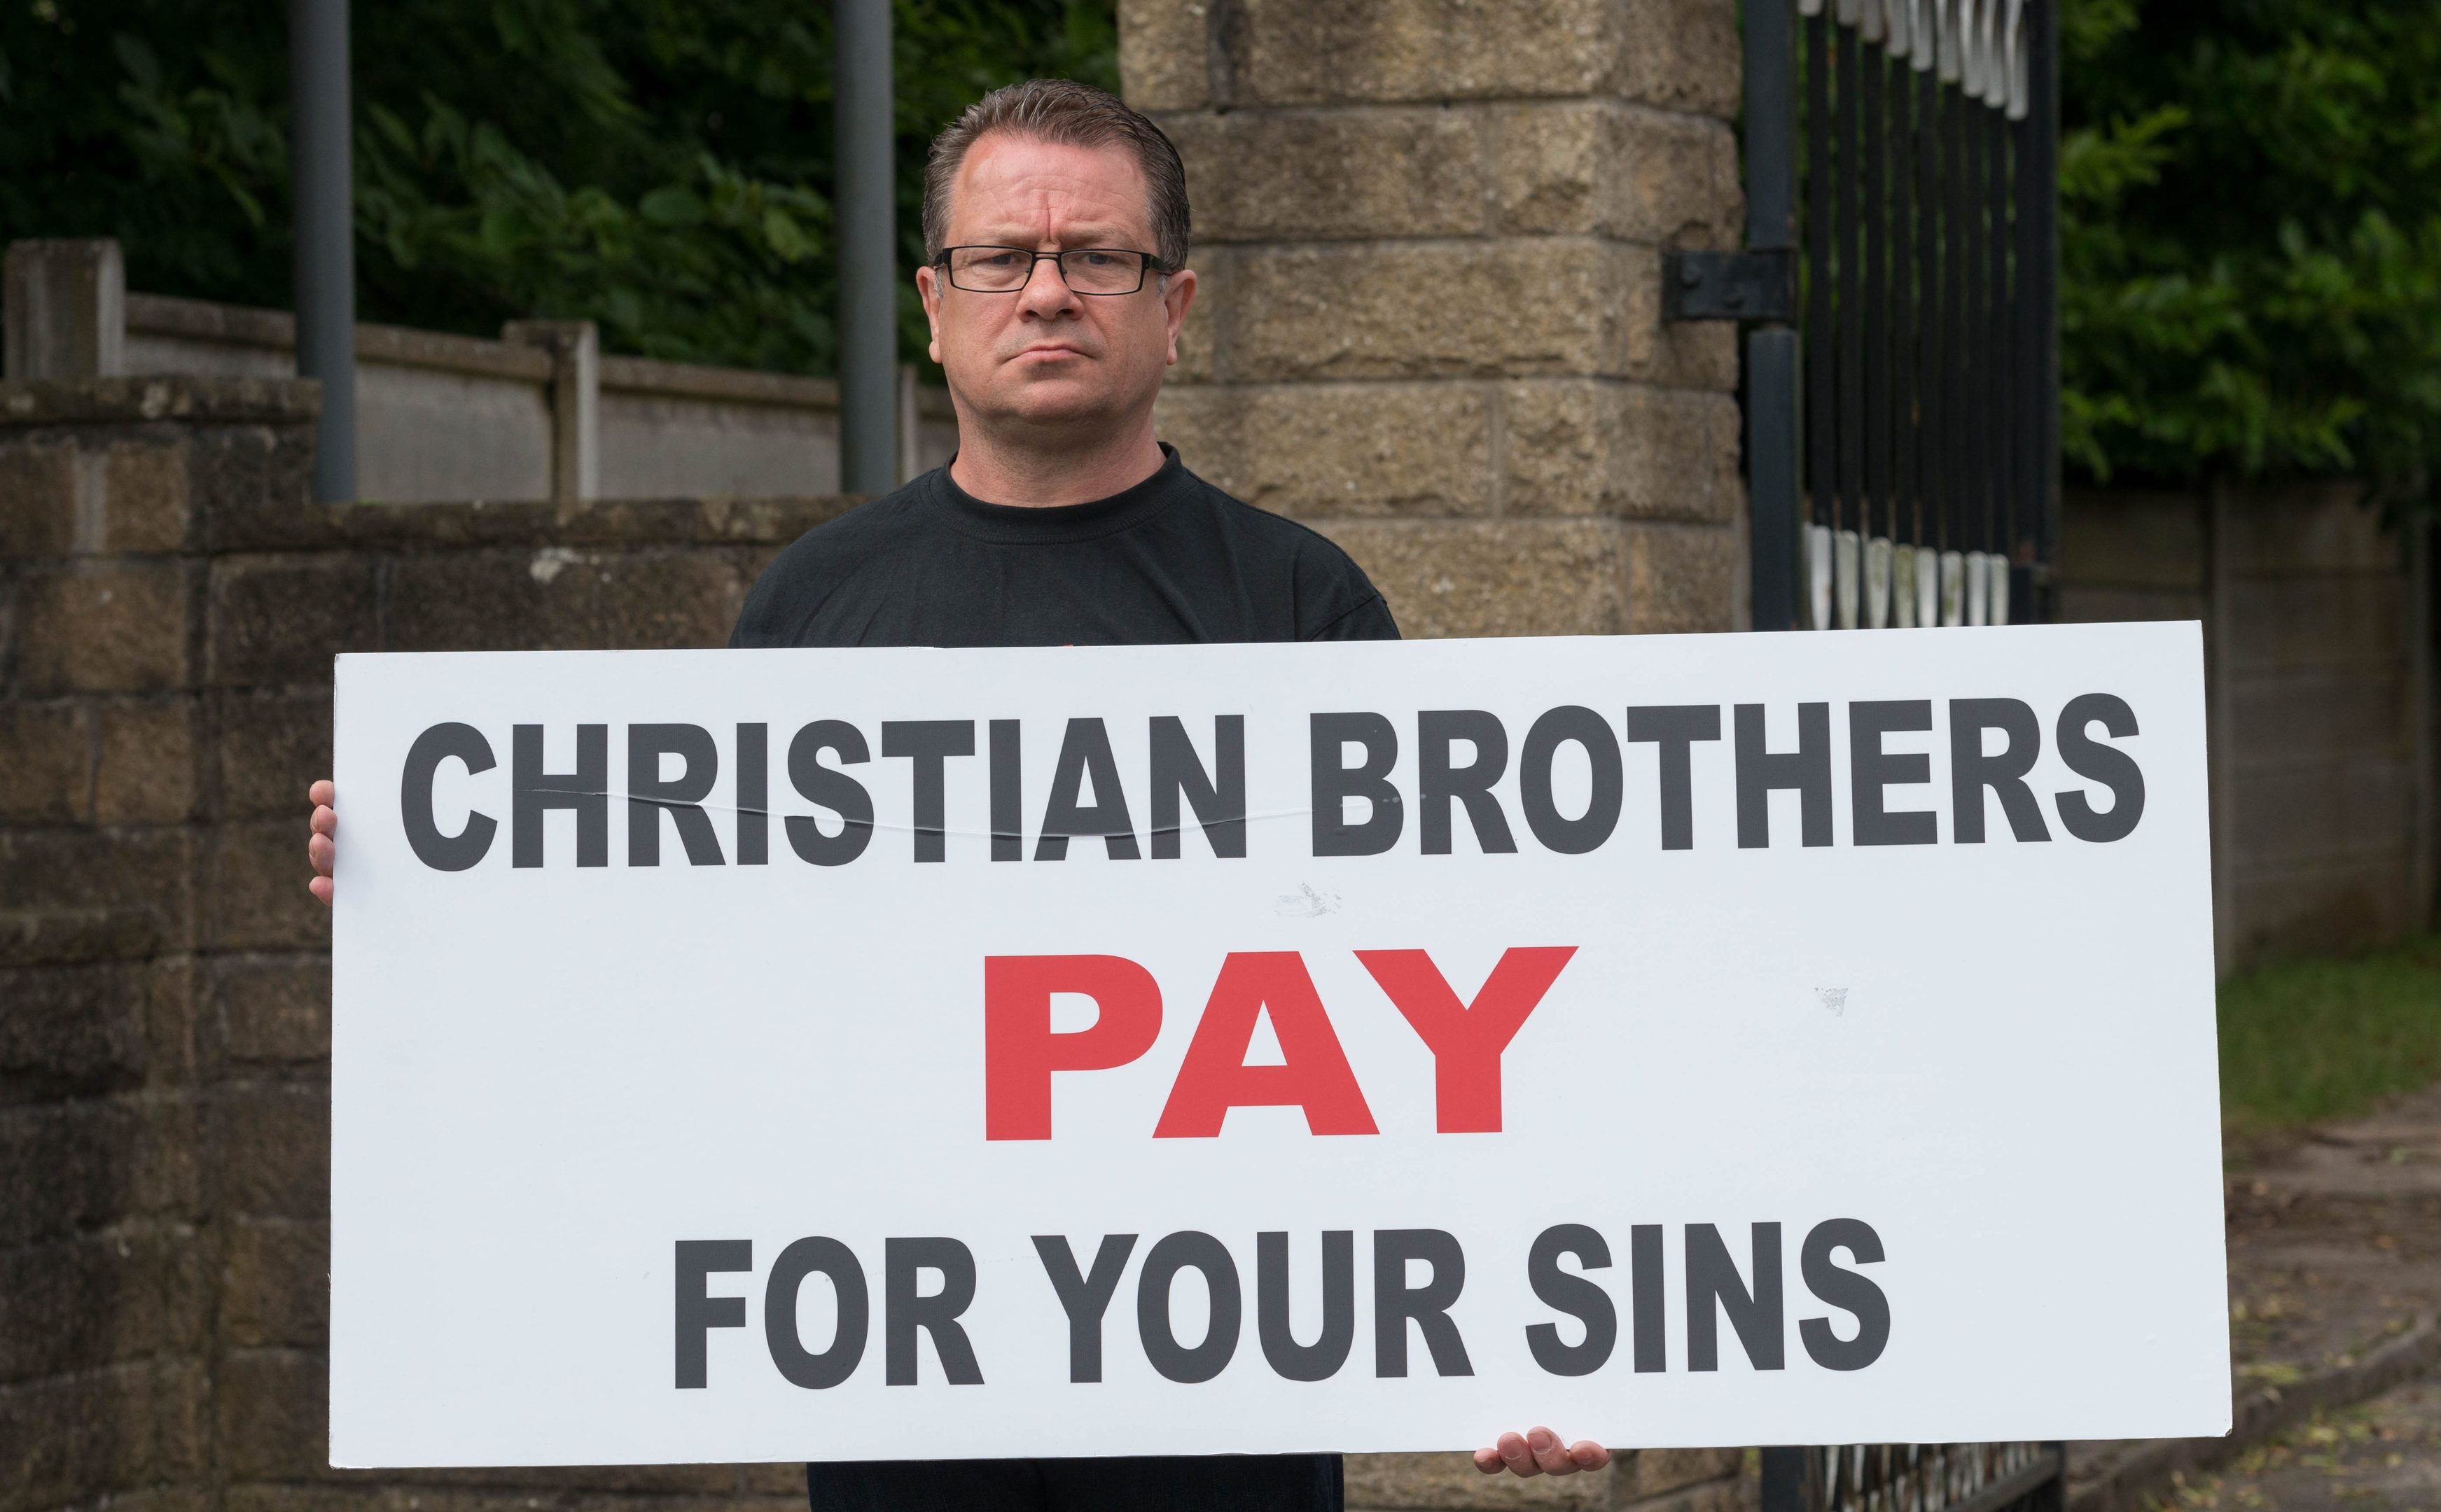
<point x="1540" y="1452"/>
<point x="322" y="841"/>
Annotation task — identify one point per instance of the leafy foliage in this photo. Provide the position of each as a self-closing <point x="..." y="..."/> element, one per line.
<point x="661" y="166"/>
<point x="2250" y="239"/>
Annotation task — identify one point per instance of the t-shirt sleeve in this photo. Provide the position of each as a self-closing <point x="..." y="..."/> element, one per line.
<point x="1347" y="606"/>
<point x="1368" y="620"/>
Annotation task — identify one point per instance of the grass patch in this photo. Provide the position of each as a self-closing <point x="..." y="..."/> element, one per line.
<point x="2306" y="1041"/>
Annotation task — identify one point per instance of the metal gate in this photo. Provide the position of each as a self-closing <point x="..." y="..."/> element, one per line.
<point x="1899" y="279"/>
<point x="1915" y="1478"/>
<point x="1899" y="286"/>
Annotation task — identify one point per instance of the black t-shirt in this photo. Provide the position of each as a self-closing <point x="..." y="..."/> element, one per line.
<point x="1170" y="560"/>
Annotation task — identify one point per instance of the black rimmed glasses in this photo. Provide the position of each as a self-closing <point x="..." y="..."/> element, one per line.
<point x="1100" y="270"/>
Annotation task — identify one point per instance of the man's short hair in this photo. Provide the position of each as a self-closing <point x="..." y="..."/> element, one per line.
<point x="1073" y="115"/>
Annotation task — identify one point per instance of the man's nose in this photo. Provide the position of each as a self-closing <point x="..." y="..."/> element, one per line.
<point x="1046" y="294"/>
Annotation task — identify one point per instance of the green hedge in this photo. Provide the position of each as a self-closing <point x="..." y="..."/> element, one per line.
<point x="662" y="167"/>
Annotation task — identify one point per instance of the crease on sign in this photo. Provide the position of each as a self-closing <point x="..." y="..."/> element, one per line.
<point x="880" y="826"/>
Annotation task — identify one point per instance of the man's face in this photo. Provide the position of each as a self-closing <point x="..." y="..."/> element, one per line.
<point x="1043" y="356"/>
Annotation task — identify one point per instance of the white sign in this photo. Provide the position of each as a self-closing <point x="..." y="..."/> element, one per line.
<point x="1708" y="1040"/>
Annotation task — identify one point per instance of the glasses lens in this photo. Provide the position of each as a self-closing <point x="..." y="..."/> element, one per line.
<point x="988" y="268"/>
<point x="1097" y="270"/>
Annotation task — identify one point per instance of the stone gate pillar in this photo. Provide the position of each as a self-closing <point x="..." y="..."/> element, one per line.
<point x="1430" y="235"/>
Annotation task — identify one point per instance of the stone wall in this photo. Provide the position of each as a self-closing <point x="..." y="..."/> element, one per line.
<point x="1429" y="235"/>
<point x="170" y="603"/>
<point x="2318" y="640"/>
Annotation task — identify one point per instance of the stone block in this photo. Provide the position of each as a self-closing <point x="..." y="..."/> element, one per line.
<point x="274" y="1142"/>
<point x="272" y="747"/>
<point x="102" y="627"/>
<point x="271" y="1009"/>
<point x="1602" y="167"/>
<point x="1287" y="53"/>
<point x="666" y="600"/>
<point x="1339" y="448"/>
<point x="1684" y="579"/>
<point x="57" y="870"/>
<point x="1163" y="63"/>
<point x="76" y="1439"/>
<point x="171" y="1005"/>
<point x="141" y="503"/>
<point x="252" y="487"/>
<point x="600" y="1483"/>
<point x="1680" y="54"/>
<point x="257" y="899"/>
<point x="1450" y="1482"/>
<point x="100" y="1300"/>
<point x="1492" y="578"/>
<point x="1575" y="446"/>
<point x="146" y="771"/>
<point x="83" y="1164"/>
<point x="1649" y="1473"/>
<point x="1197" y="338"/>
<point x="1504" y="308"/>
<point x="278" y="620"/>
<point x="1308" y="176"/>
<point x="38" y="496"/>
<point x="73" y="1032"/>
<point x="46" y="749"/>
<point x="271" y="1416"/>
<point x="275" y="1285"/>
<point x="494" y="600"/>
<point x="772" y="1479"/>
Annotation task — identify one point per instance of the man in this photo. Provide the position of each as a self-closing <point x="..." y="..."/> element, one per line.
<point x="1056" y="281"/>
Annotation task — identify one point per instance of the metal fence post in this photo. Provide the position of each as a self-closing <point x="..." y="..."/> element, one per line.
<point x="325" y="225"/>
<point x="1773" y="476"/>
<point x="866" y="199"/>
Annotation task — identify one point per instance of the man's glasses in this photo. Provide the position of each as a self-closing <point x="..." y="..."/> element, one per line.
<point x="1086" y="269"/>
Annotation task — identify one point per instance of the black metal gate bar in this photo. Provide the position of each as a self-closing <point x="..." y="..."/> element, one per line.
<point x="2038" y="134"/>
<point x="1822" y="377"/>
<point x="1774" y="467"/>
<point x="1849" y="309"/>
<point x="1996" y="240"/>
<point x="1873" y="499"/>
<point x="1903" y="326"/>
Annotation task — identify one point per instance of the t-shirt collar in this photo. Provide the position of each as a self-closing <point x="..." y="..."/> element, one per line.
<point x="1019" y="523"/>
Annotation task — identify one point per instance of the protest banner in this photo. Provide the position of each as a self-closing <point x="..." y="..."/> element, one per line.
<point x="1680" y="1040"/>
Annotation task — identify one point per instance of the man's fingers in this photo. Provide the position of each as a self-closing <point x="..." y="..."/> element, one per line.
<point x="1517" y="1456"/>
<point x="1487" y="1460"/>
<point x="321" y="794"/>
<point x="1550" y="1455"/>
<point x="325" y="821"/>
<point x="321" y="887"/>
<point x="1588" y="1454"/>
<point x="319" y="849"/>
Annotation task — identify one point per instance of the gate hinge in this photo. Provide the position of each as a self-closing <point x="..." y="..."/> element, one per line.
<point x="1751" y="285"/>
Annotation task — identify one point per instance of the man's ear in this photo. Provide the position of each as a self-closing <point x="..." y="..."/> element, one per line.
<point x="1177" y="297"/>
<point x="928" y="288"/>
